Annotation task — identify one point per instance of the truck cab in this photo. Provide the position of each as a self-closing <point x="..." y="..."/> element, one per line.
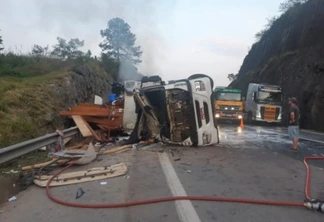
<point x="180" y="112"/>
<point x="263" y="103"/>
<point x="228" y="104"/>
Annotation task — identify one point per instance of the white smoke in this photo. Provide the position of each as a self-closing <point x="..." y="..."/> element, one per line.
<point x="83" y="19"/>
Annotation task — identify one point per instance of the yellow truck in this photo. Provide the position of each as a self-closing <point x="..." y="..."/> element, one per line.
<point x="228" y="104"/>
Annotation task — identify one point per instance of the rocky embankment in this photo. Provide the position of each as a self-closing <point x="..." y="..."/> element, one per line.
<point x="290" y="54"/>
<point x="78" y="87"/>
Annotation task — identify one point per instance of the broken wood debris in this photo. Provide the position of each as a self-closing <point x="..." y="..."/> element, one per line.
<point x="107" y="117"/>
<point x="116" y="149"/>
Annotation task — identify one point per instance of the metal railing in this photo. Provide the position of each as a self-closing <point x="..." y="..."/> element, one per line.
<point x="19" y="149"/>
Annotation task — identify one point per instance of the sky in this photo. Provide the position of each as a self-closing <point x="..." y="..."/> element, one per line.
<point x="178" y="37"/>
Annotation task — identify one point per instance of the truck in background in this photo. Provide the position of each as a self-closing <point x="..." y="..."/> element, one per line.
<point x="263" y="103"/>
<point x="228" y="104"/>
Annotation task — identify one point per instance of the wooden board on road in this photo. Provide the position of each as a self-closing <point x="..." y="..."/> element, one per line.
<point x="93" y="174"/>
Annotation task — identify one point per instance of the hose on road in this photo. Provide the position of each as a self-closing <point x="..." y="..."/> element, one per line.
<point x="308" y="174"/>
<point x="311" y="204"/>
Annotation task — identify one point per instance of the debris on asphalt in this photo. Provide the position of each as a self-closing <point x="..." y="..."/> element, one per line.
<point x="115" y="149"/>
<point x="26" y="179"/>
<point x="92" y="174"/>
<point x="79" y="193"/>
<point x="13" y="198"/>
<point x="188" y="171"/>
<point x="187" y="164"/>
<point x="103" y="183"/>
<point x="11" y="172"/>
<point x="177" y="159"/>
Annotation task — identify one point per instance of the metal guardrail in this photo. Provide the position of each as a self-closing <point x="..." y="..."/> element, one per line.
<point x="19" y="149"/>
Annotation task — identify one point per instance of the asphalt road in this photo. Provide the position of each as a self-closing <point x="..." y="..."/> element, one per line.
<point x="253" y="162"/>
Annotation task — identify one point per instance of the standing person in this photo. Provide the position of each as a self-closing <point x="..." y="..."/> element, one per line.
<point x="293" y="126"/>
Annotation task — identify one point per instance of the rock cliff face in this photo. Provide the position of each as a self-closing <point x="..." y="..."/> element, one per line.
<point x="78" y="87"/>
<point x="291" y="54"/>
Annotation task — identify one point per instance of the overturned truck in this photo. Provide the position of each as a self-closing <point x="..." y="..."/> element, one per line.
<point x="180" y="112"/>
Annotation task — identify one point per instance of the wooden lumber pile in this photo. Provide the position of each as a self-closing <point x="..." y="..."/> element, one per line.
<point x="107" y="117"/>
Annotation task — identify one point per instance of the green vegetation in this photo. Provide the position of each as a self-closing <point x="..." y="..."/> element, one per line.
<point x="1" y="46"/>
<point x="25" y="98"/>
<point x="283" y="8"/>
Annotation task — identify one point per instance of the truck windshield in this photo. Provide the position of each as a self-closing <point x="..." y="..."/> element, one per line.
<point x="270" y="96"/>
<point x="228" y="96"/>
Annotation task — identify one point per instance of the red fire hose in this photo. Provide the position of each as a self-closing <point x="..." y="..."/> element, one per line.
<point x="308" y="174"/>
<point x="196" y="198"/>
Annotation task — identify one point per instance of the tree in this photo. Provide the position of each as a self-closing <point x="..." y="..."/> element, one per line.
<point x="270" y="22"/>
<point x="232" y="76"/>
<point x="39" y="51"/>
<point x="288" y="4"/>
<point x="68" y="50"/>
<point x="88" y="54"/>
<point x="1" y="44"/>
<point x="119" y="42"/>
<point x="259" y="35"/>
<point x="110" y="65"/>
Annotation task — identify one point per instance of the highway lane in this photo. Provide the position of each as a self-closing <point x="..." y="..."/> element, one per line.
<point x="253" y="162"/>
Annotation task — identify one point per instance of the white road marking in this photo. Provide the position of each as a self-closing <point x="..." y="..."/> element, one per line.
<point x="185" y="209"/>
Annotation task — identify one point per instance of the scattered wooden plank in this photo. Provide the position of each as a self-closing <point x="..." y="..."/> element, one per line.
<point x="93" y="132"/>
<point x="41" y="165"/>
<point x="82" y="125"/>
<point x="81" y="144"/>
<point x="66" y="140"/>
<point x="94" y="110"/>
<point x="116" y="149"/>
<point x="108" y="127"/>
<point x="83" y="113"/>
<point x="116" y="121"/>
<point x="84" y="147"/>
<point x="74" y="147"/>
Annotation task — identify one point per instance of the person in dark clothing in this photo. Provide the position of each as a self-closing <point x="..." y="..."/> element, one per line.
<point x="117" y="88"/>
<point x="293" y="125"/>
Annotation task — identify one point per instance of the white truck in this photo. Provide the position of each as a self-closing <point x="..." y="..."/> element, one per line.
<point x="180" y="112"/>
<point x="263" y="103"/>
